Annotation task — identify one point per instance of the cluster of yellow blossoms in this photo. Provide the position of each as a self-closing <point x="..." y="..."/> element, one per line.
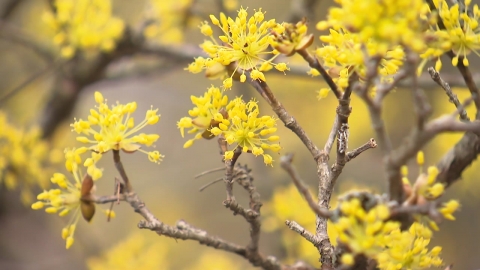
<point x="384" y="28"/>
<point x="371" y="233"/>
<point x="343" y="55"/>
<point x="114" y="129"/>
<point x="24" y="159"/>
<point x="111" y="129"/>
<point x="138" y="251"/>
<point x="70" y="197"/>
<point x="388" y="22"/>
<point x="236" y="121"/>
<point x="460" y="34"/>
<point x="170" y="17"/>
<point x="84" y="25"/>
<point x="425" y="187"/>
<point x="245" y="43"/>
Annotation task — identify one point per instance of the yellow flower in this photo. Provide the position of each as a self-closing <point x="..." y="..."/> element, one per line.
<point x="114" y="128"/>
<point x="461" y="33"/>
<point x="363" y="231"/>
<point x="137" y="251"/>
<point x="342" y="55"/>
<point x="293" y="37"/>
<point x="370" y="233"/>
<point x="84" y="25"/>
<point x="67" y="198"/>
<point x="168" y="20"/>
<point x="206" y="113"/>
<point x="409" y="250"/>
<point x="248" y="131"/>
<point x="245" y="42"/>
<point x="25" y="159"/>
<point x="387" y="23"/>
<point x="449" y="208"/>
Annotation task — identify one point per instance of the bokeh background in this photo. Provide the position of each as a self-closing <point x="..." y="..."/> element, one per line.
<point x="31" y="239"/>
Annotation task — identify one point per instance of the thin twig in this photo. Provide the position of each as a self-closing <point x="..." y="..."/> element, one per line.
<point x="229" y="165"/>
<point x="446" y="87"/>
<point x="49" y="68"/>
<point x="368" y="145"/>
<point x="420" y="101"/>
<point x="375" y="106"/>
<point x="464" y="70"/>
<point x="121" y="170"/>
<point x="294" y="226"/>
<point x="289" y="121"/>
<point x="286" y="163"/>
<point x="209" y="171"/>
<point x="202" y="188"/>
<point x="313" y="63"/>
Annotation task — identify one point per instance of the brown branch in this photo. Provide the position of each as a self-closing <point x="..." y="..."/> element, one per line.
<point x="313" y="63"/>
<point x="9" y="7"/>
<point x="368" y="145"/>
<point x="375" y="106"/>
<point x="290" y="122"/>
<point x="446" y="87"/>
<point x="286" y="163"/>
<point x="51" y="67"/>
<point x="294" y="226"/>
<point x="420" y="101"/>
<point x="429" y="209"/>
<point x="252" y="216"/>
<point x="121" y="170"/>
<point x="229" y="165"/>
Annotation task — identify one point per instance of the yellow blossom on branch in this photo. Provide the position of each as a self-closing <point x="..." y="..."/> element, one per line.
<point x="68" y="197"/>
<point x="137" y="251"/>
<point x="409" y="250"/>
<point x="246" y="130"/>
<point x="343" y="54"/>
<point x="236" y="121"/>
<point x="461" y="33"/>
<point x="169" y="18"/>
<point x="372" y="234"/>
<point x="114" y="129"/>
<point x="293" y="37"/>
<point x="25" y="159"/>
<point x="243" y="46"/>
<point x="388" y="23"/>
<point x="205" y="115"/>
<point x="84" y="25"/>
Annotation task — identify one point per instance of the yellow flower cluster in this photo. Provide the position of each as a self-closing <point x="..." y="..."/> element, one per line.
<point x="292" y="38"/>
<point x="67" y="198"/>
<point x="204" y="115"/>
<point x="24" y="159"/>
<point x="243" y="46"/>
<point x="363" y="231"/>
<point x="388" y="23"/>
<point x="461" y="33"/>
<point x="114" y="128"/>
<point x="84" y="25"/>
<point x="136" y="252"/>
<point x="372" y="234"/>
<point x="170" y="17"/>
<point x="342" y="54"/>
<point x="425" y="187"/>
<point x="409" y="250"/>
<point x="449" y="208"/>
<point x="236" y="121"/>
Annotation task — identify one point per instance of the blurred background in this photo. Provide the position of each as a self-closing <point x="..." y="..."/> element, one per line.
<point x="29" y="79"/>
